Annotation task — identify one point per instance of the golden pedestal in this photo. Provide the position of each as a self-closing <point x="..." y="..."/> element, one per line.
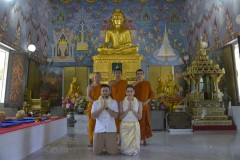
<point x="106" y="64"/>
<point x="214" y="114"/>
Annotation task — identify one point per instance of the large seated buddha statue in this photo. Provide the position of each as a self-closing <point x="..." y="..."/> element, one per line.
<point x="118" y="40"/>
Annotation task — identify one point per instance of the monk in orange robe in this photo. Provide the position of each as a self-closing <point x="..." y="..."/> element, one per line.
<point x="93" y="93"/>
<point x="144" y="93"/>
<point x="118" y="89"/>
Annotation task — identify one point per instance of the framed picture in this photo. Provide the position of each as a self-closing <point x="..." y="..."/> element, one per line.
<point x="116" y="66"/>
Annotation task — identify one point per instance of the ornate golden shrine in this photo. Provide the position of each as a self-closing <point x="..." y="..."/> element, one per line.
<point x="202" y="67"/>
<point x="205" y="105"/>
<point x="117" y="52"/>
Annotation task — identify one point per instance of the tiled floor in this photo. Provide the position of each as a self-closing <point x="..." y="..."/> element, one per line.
<point x="198" y="145"/>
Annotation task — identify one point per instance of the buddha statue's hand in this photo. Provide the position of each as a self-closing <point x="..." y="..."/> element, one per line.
<point x="106" y="45"/>
<point x="127" y="44"/>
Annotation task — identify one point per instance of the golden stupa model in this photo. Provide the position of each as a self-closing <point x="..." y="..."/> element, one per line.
<point x="200" y="68"/>
<point x="117" y="52"/>
<point x="204" y="102"/>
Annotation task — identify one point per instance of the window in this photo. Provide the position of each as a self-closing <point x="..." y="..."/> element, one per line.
<point x="237" y="66"/>
<point x="4" y="54"/>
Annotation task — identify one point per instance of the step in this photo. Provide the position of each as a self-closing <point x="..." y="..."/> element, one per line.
<point x="211" y="117"/>
<point x="219" y="127"/>
<point x="207" y="104"/>
<point x="209" y="111"/>
<point x="212" y="122"/>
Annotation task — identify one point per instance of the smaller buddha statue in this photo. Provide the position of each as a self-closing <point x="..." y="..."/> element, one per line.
<point x="161" y="88"/>
<point x="74" y="88"/>
<point x="118" y="40"/>
<point x="172" y="87"/>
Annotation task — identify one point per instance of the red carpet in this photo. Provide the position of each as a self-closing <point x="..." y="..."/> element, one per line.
<point x="21" y="126"/>
<point x="201" y="128"/>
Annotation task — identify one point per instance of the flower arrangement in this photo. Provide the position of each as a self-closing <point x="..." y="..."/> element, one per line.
<point x="157" y="104"/>
<point x="81" y="102"/>
<point x="72" y="104"/>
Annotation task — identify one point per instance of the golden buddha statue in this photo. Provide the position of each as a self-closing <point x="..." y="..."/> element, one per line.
<point x="74" y="90"/>
<point x="118" y="40"/>
<point x="161" y="88"/>
<point x="172" y="87"/>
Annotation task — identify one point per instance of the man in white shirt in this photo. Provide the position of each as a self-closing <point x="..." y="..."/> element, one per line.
<point x="105" y="110"/>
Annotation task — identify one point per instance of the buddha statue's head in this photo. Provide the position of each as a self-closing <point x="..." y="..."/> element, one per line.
<point x="170" y="76"/>
<point x="74" y="80"/>
<point x="117" y="17"/>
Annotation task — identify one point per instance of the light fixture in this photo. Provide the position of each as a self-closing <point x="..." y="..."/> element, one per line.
<point x="186" y="57"/>
<point x="204" y="45"/>
<point x="31" y="48"/>
<point x="49" y="61"/>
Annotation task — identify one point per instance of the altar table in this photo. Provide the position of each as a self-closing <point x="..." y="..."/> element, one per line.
<point x="19" y="141"/>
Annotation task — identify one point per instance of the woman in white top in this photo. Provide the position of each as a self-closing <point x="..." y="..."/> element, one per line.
<point x="130" y="112"/>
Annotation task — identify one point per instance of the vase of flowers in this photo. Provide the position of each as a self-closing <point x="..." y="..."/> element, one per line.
<point x="69" y="105"/>
<point x="70" y="108"/>
<point x="72" y="105"/>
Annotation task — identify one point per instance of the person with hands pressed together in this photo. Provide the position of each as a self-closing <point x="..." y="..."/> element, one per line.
<point x="130" y="113"/>
<point x="105" y="110"/>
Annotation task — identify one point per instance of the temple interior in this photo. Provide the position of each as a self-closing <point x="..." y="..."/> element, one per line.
<point x="188" y="51"/>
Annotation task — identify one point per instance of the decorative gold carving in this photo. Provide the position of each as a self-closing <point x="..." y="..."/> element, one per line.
<point x="212" y="122"/>
<point x="200" y="67"/>
<point x="17" y="79"/>
<point x="194" y="97"/>
<point x="130" y="63"/>
<point x="65" y="1"/>
<point x="207" y="103"/>
<point x="211" y="117"/>
<point x="117" y="0"/>
<point x="209" y="111"/>
<point x="91" y="1"/>
<point x="205" y="112"/>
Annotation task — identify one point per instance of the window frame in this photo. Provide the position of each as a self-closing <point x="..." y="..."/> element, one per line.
<point x="236" y="54"/>
<point x="5" y="61"/>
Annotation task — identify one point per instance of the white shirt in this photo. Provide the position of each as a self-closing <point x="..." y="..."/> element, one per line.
<point x="105" y="122"/>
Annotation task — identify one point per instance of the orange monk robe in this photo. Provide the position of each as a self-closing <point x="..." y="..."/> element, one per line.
<point x="118" y="93"/>
<point x="143" y="92"/>
<point x="94" y="94"/>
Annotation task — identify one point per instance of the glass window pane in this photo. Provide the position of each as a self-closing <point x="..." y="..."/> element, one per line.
<point x="237" y="61"/>
<point x="3" y="72"/>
